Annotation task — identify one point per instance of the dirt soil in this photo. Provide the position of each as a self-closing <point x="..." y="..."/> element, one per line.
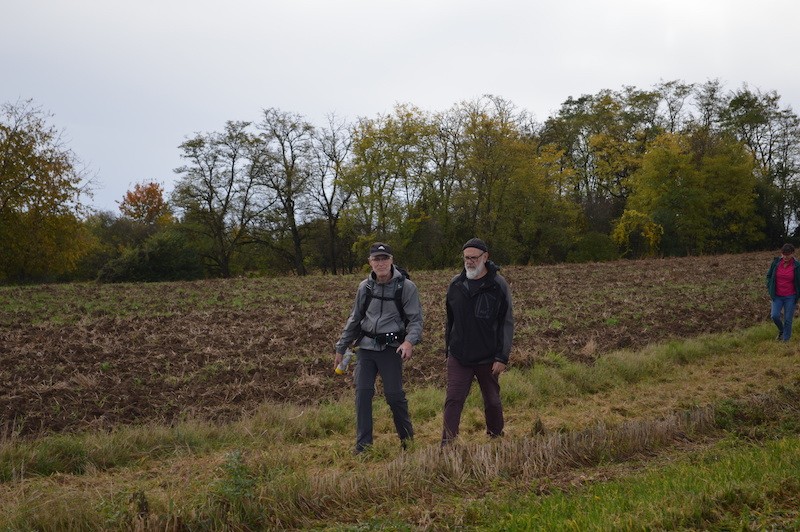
<point x="89" y="356"/>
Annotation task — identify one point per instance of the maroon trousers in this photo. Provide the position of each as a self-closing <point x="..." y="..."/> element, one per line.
<point x="459" y="381"/>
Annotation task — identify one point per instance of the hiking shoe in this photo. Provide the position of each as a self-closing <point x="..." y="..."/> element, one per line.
<point x="779" y="337"/>
<point x="360" y="449"/>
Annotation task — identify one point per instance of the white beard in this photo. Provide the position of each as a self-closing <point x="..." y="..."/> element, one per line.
<point x="475" y="271"/>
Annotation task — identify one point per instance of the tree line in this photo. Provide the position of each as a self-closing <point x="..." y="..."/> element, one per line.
<point x="677" y="169"/>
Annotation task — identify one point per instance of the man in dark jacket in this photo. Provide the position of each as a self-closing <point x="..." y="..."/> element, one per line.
<point x="480" y="327"/>
<point x="385" y="338"/>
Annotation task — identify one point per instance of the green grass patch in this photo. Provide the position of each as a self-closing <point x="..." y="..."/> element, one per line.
<point x="730" y="487"/>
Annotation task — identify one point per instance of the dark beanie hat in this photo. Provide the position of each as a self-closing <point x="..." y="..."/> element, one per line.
<point x="476" y="243"/>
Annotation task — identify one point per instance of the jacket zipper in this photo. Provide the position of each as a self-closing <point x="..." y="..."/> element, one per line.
<point x="380" y="314"/>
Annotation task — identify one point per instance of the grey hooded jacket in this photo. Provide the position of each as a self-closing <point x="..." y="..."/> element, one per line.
<point x="382" y="315"/>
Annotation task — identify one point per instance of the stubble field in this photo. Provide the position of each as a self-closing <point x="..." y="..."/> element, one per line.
<point x="88" y="356"/>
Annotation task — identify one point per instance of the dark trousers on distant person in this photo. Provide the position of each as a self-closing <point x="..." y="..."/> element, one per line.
<point x="389" y="365"/>
<point x="459" y="381"/>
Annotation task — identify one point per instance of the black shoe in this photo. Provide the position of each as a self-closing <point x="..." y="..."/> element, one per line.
<point x="780" y="336"/>
<point x="359" y="449"/>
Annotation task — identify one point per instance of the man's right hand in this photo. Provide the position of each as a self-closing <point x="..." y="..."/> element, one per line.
<point x="337" y="359"/>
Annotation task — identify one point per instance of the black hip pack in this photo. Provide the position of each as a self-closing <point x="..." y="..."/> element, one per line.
<point x="384" y="338"/>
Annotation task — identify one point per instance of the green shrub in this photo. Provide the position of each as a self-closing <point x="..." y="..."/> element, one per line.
<point x="165" y="256"/>
<point x="593" y="247"/>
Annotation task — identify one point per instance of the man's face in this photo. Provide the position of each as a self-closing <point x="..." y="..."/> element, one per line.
<point x="474" y="262"/>
<point x="381" y="265"/>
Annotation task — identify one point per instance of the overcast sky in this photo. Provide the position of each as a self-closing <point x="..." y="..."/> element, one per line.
<point x="127" y="82"/>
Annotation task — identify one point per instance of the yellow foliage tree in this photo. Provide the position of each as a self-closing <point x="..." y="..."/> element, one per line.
<point x="40" y="191"/>
<point x="637" y="233"/>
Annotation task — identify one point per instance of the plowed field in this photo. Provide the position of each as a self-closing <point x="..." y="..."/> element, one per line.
<point x="83" y="356"/>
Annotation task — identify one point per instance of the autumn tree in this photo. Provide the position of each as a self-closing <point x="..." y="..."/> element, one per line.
<point x="534" y="223"/>
<point x="443" y="152"/>
<point x="701" y="203"/>
<point x="385" y="158"/>
<point x="637" y="234"/>
<point x="146" y="204"/>
<point x="490" y="135"/>
<point x="772" y="135"/>
<point x="670" y="192"/>
<point x="603" y="138"/>
<point x="729" y="179"/>
<point x="41" y="187"/>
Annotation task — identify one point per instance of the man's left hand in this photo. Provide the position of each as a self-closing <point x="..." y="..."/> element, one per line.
<point x="498" y="368"/>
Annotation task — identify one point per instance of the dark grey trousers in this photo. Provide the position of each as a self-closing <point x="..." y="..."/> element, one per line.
<point x="389" y="365"/>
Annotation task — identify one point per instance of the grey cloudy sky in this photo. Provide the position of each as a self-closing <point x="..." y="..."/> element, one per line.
<point x="127" y="82"/>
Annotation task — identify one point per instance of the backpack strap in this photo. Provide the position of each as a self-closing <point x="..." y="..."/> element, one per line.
<point x="397" y="298"/>
<point x="367" y="297"/>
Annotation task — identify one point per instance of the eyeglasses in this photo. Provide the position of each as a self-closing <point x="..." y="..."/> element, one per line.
<point x="380" y="258"/>
<point x="467" y="258"/>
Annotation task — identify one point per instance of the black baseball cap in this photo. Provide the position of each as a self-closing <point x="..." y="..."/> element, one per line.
<point x="379" y="248"/>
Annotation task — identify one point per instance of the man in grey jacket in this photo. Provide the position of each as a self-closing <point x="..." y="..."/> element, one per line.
<point x="385" y="324"/>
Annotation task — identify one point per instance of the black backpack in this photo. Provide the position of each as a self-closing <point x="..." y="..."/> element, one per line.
<point x="398" y="294"/>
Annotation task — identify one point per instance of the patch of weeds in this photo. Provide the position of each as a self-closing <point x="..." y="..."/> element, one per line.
<point x="238" y="303"/>
<point x="725" y="414"/>
<point x="382" y="523"/>
<point x="210" y="371"/>
<point x="426" y="403"/>
<point x="234" y="494"/>
<point x="554" y="359"/>
<point x="763" y="417"/>
<point x="334" y="418"/>
<point x="56" y="454"/>
<point x="378" y="452"/>
<point x="537" y="313"/>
